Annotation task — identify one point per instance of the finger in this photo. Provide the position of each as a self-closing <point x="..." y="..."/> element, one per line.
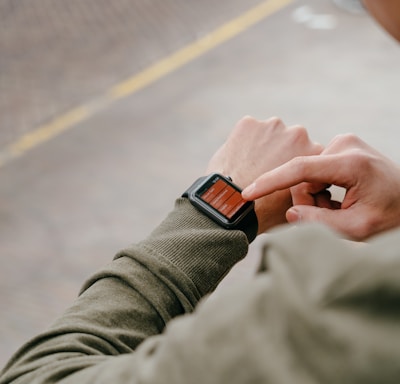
<point x="323" y="199"/>
<point x="328" y="169"/>
<point x="304" y="193"/>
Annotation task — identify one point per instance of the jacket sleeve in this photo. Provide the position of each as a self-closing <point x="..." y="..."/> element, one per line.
<point x="131" y="299"/>
<point x="325" y="311"/>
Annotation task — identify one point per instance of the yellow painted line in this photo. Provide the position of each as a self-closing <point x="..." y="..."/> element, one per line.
<point x="44" y="133"/>
<point x="198" y="48"/>
<point x="50" y="130"/>
<point x="142" y="79"/>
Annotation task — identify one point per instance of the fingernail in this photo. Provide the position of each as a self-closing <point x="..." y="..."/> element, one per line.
<point x="293" y="215"/>
<point x="247" y="191"/>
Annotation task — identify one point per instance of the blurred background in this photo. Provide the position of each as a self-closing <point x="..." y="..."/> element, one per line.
<point x="105" y="120"/>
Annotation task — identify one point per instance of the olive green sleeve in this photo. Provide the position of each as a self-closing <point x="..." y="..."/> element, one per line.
<point x="132" y="298"/>
<point x="320" y="310"/>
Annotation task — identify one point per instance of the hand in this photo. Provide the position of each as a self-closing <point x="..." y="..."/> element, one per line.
<point x="372" y="182"/>
<point x="255" y="147"/>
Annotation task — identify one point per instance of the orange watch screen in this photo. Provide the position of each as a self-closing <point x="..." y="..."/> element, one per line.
<point x="224" y="198"/>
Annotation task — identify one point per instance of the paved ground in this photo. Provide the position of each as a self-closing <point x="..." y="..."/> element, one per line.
<point x="69" y="204"/>
<point x="57" y="54"/>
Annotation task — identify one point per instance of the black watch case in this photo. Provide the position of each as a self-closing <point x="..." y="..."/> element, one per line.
<point x="220" y="199"/>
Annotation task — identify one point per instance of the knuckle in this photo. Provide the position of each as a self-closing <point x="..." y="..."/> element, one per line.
<point x="275" y="122"/>
<point x="299" y="129"/>
<point x="244" y="124"/>
<point x="359" y="159"/>
<point x="299" y="133"/>
<point x="347" y="139"/>
<point x="245" y="121"/>
<point x="364" y="226"/>
<point x="351" y="139"/>
<point x="362" y="229"/>
<point x="300" y="163"/>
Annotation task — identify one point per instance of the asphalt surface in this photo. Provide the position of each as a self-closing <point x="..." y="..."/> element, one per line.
<point x="69" y="204"/>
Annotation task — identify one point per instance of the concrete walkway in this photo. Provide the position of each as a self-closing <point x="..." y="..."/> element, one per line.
<point x="68" y="204"/>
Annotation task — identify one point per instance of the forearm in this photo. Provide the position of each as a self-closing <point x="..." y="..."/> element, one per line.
<point x="134" y="297"/>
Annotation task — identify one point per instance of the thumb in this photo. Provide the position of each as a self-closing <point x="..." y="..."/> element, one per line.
<point x="307" y="213"/>
<point x="353" y="225"/>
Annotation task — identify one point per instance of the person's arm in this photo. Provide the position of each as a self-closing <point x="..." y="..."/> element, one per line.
<point x="133" y="298"/>
<point x="372" y="182"/>
<point x="160" y="278"/>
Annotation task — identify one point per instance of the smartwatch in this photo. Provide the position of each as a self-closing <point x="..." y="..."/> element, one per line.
<point x="221" y="200"/>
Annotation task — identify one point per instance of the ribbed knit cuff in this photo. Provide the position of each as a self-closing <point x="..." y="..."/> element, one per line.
<point x="196" y="245"/>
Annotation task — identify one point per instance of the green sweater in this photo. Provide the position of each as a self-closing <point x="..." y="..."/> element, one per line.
<point x="319" y="310"/>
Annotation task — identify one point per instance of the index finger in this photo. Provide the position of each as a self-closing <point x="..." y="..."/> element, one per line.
<point x="329" y="169"/>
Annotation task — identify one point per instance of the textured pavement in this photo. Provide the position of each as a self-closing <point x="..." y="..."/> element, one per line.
<point x="56" y="54"/>
<point x="67" y="206"/>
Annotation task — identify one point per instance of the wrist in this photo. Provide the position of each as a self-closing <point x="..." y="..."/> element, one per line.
<point x="271" y="210"/>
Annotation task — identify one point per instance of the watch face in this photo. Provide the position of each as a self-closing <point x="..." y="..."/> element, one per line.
<point x="222" y="199"/>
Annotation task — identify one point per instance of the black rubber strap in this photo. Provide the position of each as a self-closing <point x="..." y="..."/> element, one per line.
<point x="249" y="225"/>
